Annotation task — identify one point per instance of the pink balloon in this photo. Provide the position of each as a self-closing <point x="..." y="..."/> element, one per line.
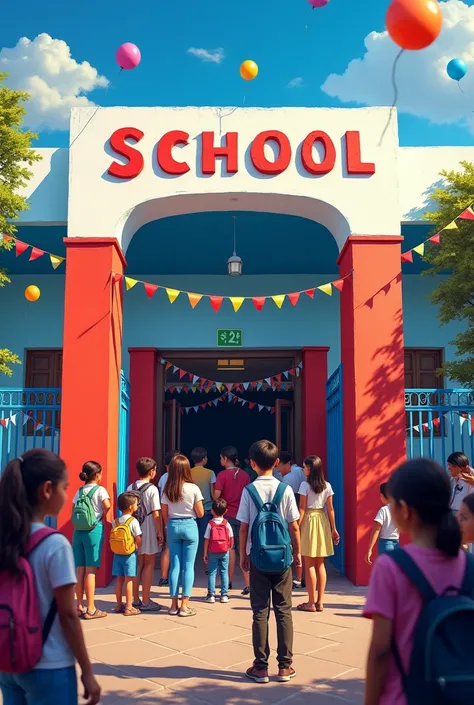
<point x="128" y="56"/>
<point x="318" y="3"/>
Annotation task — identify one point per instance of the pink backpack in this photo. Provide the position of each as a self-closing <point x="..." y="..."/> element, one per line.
<point x="219" y="539"/>
<point x="22" y="633"/>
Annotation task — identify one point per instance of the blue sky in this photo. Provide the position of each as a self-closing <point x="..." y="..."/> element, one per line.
<point x="285" y="37"/>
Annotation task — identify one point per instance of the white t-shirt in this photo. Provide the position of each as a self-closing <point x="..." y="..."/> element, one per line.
<point x="162" y="482"/>
<point x="135" y="528"/>
<point x="459" y="491"/>
<point x="294" y="478"/>
<point x="150" y="497"/>
<point x="185" y="508"/>
<point x="218" y="520"/>
<point x="266" y="486"/>
<point x="53" y="567"/>
<point x="389" y="530"/>
<point x="97" y="498"/>
<point x="314" y="500"/>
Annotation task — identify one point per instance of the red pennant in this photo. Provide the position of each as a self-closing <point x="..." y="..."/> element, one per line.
<point x="278" y="378"/>
<point x="272" y="410"/>
<point x="310" y="293"/>
<point x="3" y="422"/>
<point x="229" y="387"/>
<point x="216" y="302"/>
<point x="150" y="289"/>
<point x="36" y="253"/>
<point x="203" y="406"/>
<point x="20" y="247"/>
<point x="117" y="278"/>
<point x="259" y="302"/>
<point x="235" y="400"/>
<point x="186" y="390"/>
<point x="339" y="284"/>
<point x="209" y="403"/>
<point x="435" y="239"/>
<point x="407" y="256"/>
<point x="191" y="376"/>
<point x="467" y="215"/>
<point x="251" y="404"/>
<point x="181" y="373"/>
<point x="292" y="371"/>
<point x="294" y="298"/>
<point x="436" y="423"/>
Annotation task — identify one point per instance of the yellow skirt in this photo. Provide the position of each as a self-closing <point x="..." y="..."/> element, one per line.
<point x="316" y="539"/>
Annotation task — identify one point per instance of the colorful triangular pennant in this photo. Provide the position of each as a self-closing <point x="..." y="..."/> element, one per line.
<point x="194" y="299"/>
<point x="20" y="247"/>
<point x="259" y="302"/>
<point x="216" y="302"/>
<point x="130" y="283"/>
<point x="420" y="249"/>
<point x="468" y="214"/>
<point x="407" y="256"/>
<point x="279" y="299"/>
<point x="172" y="294"/>
<point x="150" y="289"/>
<point x="326" y="289"/>
<point x="237" y="302"/>
<point x="36" y="253"/>
<point x="56" y="261"/>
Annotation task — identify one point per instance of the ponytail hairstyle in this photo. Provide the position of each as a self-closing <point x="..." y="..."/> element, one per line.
<point x="231" y="454"/>
<point x="424" y="486"/>
<point x="90" y="470"/>
<point x="19" y="485"/>
<point x="316" y="479"/>
<point x="179" y="472"/>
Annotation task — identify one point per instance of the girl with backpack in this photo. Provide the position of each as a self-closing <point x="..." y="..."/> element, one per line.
<point x="318" y="531"/>
<point x="418" y="601"/>
<point x="37" y="579"/>
<point x="91" y="504"/>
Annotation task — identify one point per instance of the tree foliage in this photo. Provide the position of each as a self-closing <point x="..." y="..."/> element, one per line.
<point x="16" y="155"/>
<point x="455" y="256"/>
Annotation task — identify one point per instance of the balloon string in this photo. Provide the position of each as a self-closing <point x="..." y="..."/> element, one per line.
<point x="395" y="94"/>
<point x="95" y="111"/>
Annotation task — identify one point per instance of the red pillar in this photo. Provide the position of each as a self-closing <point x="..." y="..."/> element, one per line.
<point x="372" y="354"/>
<point x="143" y="404"/>
<point x="92" y="355"/>
<point x="314" y="377"/>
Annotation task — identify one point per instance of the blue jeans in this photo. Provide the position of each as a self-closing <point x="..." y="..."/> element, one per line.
<point x="218" y="562"/>
<point x="387" y="546"/>
<point x="183" y="542"/>
<point x="40" y="687"/>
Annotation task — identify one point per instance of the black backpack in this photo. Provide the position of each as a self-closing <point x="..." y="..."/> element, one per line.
<point x="141" y="513"/>
<point x="441" y="670"/>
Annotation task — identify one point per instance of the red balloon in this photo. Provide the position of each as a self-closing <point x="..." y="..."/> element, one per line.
<point x="414" y="24"/>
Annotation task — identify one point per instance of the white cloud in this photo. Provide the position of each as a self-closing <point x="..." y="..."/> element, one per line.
<point x="296" y="82"/>
<point x="214" y="56"/>
<point x="55" y="81"/>
<point x="424" y="88"/>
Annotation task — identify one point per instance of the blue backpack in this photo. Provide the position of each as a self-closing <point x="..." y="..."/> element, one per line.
<point x="271" y="543"/>
<point x="441" y="668"/>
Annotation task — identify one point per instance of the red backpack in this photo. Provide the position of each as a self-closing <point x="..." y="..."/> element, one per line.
<point x="219" y="539"/>
<point x="22" y="633"/>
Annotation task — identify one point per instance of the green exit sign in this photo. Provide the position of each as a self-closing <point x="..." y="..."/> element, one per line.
<point x="230" y="338"/>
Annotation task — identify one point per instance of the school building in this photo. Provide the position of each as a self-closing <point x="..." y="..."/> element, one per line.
<point x="232" y="275"/>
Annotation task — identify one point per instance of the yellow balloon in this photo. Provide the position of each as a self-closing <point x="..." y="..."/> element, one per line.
<point x="248" y="70"/>
<point x="32" y="293"/>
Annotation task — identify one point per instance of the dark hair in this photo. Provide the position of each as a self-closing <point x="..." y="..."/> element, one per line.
<point x="90" y="470"/>
<point x="316" y="479"/>
<point x="424" y="486"/>
<point x="169" y="456"/>
<point x="459" y="460"/>
<point x="264" y="454"/>
<point x="19" y="485"/>
<point x="145" y="466"/>
<point x="231" y="453"/>
<point x="384" y="489"/>
<point x="198" y="455"/>
<point x="469" y="502"/>
<point x="179" y="472"/>
<point x="126" y="500"/>
<point x="219" y="506"/>
<point x="285" y="457"/>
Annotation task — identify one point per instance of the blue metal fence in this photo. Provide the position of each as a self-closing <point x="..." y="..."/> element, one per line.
<point x="124" y="434"/>
<point x="335" y="443"/>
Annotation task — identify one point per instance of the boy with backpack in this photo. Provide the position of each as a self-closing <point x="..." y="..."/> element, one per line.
<point x="269" y="531"/>
<point x="218" y="540"/>
<point x="125" y="540"/>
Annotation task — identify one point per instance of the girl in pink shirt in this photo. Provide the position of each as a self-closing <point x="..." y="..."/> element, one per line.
<point x="420" y="494"/>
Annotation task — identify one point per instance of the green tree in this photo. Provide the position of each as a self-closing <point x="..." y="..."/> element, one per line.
<point x="15" y="157"/>
<point x="455" y="256"/>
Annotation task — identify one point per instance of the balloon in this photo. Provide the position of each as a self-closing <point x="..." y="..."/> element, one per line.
<point x="318" y="3"/>
<point x="248" y="70"/>
<point x="414" y="24"/>
<point x="456" y="69"/>
<point x="32" y="293"/>
<point x="128" y="56"/>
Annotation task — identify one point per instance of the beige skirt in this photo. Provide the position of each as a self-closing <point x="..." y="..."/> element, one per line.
<point x="316" y="540"/>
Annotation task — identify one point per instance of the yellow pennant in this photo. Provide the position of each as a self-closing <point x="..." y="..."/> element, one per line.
<point x="194" y="299"/>
<point x="237" y="301"/>
<point x="172" y="294"/>
<point x="130" y="283"/>
<point x="278" y="299"/>
<point x="326" y="289"/>
<point x="56" y="261"/>
<point x="451" y="226"/>
<point x="420" y="249"/>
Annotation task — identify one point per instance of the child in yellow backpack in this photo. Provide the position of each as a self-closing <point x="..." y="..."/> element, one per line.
<point x="125" y="540"/>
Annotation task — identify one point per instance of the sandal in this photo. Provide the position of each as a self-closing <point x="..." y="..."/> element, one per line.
<point x="306" y="607"/>
<point x="319" y="607"/>
<point x="81" y="612"/>
<point x="96" y="614"/>
<point x="131" y="612"/>
<point x="120" y="609"/>
<point x="188" y="612"/>
<point x="173" y="613"/>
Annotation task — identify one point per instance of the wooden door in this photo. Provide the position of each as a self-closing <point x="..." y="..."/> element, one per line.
<point x="285" y="425"/>
<point x="171" y="426"/>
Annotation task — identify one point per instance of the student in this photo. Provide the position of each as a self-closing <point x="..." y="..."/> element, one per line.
<point x="251" y="473"/>
<point x="205" y="479"/>
<point x="318" y="531"/>
<point x="165" y="553"/>
<point x="152" y="533"/>
<point x="33" y="487"/>
<point x="182" y="503"/>
<point x="230" y="484"/>
<point x="462" y="482"/>
<point x="218" y="540"/>
<point x="419" y="493"/>
<point x="292" y="475"/>
<point x="124" y="542"/>
<point x="87" y="543"/>
<point x="466" y="519"/>
<point x="263" y="585"/>
<point x="384" y="530"/>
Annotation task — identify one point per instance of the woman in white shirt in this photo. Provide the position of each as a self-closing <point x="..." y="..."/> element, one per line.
<point x="318" y="530"/>
<point x="181" y="505"/>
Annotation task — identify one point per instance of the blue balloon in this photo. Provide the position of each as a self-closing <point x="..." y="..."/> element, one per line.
<point x="456" y="69"/>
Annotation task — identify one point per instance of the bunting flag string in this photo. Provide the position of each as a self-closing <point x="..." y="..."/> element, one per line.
<point x="435" y="424"/>
<point x="21" y="247"/>
<point x="231" y="399"/>
<point x="466" y="214"/>
<point x="236" y="301"/>
<point x="20" y="416"/>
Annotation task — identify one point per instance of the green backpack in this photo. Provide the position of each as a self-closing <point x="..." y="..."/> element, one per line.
<point x="83" y="514"/>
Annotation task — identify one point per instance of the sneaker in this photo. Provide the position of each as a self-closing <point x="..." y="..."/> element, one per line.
<point x="150" y="607"/>
<point x="285" y="674"/>
<point x="163" y="582"/>
<point x="259" y="675"/>
<point x="296" y="584"/>
<point x="210" y="598"/>
<point x="224" y="598"/>
<point x="245" y="591"/>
